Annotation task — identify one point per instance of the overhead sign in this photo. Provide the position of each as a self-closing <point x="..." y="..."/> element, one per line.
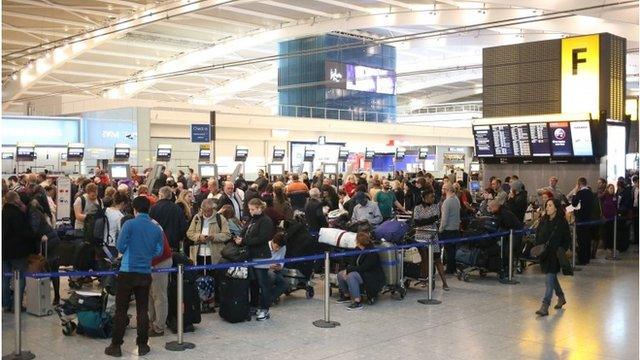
<point x="581" y="75"/>
<point x="200" y="133"/>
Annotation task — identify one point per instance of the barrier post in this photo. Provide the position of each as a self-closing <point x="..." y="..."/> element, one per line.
<point x="614" y="251"/>
<point x="574" y="237"/>
<point x="326" y="321"/>
<point x="430" y="300"/>
<point x="180" y="345"/>
<point x="509" y="279"/>
<point x="18" y="353"/>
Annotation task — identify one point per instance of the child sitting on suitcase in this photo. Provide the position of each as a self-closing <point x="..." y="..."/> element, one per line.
<point x="366" y="271"/>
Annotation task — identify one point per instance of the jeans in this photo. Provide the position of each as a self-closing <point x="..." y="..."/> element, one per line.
<point x="350" y="283"/>
<point x="279" y="286"/>
<point x="158" y="301"/>
<point x="262" y="278"/>
<point x="137" y="284"/>
<point x="552" y="283"/>
<point x="7" y="294"/>
<point x="450" y="249"/>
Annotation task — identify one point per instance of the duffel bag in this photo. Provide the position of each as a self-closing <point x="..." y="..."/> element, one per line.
<point x="391" y="230"/>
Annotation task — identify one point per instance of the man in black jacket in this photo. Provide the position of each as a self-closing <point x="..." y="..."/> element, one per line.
<point x="170" y="217"/>
<point x="230" y="197"/>
<point x="161" y="181"/>
<point x="582" y="196"/>
<point x="517" y="201"/>
<point x="507" y="220"/>
<point x="314" y="213"/>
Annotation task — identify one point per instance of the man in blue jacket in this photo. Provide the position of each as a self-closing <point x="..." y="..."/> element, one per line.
<point x="139" y="242"/>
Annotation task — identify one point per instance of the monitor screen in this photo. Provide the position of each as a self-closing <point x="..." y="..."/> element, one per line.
<point x="368" y="155"/>
<point x="423" y="153"/>
<point x="26" y="153"/>
<point x="309" y="154"/>
<point x="616" y="152"/>
<point x="163" y="154"/>
<point x="483" y="140"/>
<point x="343" y="154"/>
<point x="474" y="167"/>
<point x="400" y="153"/>
<point x="581" y="138"/>
<point x="560" y="138"/>
<point x="208" y="170"/>
<point x="7" y="156"/>
<point x="540" y="143"/>
<point x="330" y="168"/>
<point x="474" y="186"/>
<point x="275" y="169"/>
<point x="360" y="78"/>
<point x="278" y="154"/>
<point x="75" y="154"/>
<point x="502" y="142"/>
<point x="241" y="154"/>
<point x="520" y="138"/>
<point x="121" y="153"/>
<point x="204" y="154"/>
<point x="119" y="171"/>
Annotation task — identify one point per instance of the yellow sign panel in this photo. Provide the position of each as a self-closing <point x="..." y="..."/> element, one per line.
<point x="581" y="75"/>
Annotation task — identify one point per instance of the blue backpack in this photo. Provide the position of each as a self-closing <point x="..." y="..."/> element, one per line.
<point x="391" y="230"/>
<point x="95" y="324"/>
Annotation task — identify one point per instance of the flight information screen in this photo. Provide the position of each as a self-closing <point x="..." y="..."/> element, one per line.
<point x="520" y="139"/>
<point x="502" y="143"/>
<point x="483" y="140"/>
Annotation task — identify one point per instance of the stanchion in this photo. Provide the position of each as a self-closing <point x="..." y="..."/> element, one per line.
<point x="180" y="345"/>
<point x="509" y="280"/>
<point x="430" y="300"/>
<point x="326" y="321"/>
<point x="574" y="237"/>
<point x="18" y="353"/>
<point x="614" y="251"/>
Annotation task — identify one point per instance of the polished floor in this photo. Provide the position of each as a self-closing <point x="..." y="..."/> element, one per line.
<point x="481" y="319"/>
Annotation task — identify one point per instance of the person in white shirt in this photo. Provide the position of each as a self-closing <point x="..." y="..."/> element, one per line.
<point x="114" y="218"/>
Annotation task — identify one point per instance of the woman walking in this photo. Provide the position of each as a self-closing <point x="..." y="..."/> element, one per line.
<point x="553" y="231"/>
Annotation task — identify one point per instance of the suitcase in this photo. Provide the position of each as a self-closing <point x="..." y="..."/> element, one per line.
<point x="38" y="294"/>
<point x="234" y="299"/>
<point x="66" y="252"/>
<point x="391" y="230"/>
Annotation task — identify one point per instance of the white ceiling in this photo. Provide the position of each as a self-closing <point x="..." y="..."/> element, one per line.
<point x="433" y="69"/>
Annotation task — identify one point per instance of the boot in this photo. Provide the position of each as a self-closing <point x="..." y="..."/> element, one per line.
<point x="561" y="302"/>
<point x="544" y="310"/>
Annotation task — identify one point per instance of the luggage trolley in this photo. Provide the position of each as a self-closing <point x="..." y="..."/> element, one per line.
<point x="424" y="234"/>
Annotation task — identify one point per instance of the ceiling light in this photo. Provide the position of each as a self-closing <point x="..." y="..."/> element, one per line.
<point x="137" y="61"/>
<point x="66" y="28"/>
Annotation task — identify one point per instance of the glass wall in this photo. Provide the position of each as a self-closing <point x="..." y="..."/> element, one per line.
<point x="306" y="89"/>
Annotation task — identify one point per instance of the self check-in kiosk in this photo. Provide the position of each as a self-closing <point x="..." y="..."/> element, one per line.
<point x="207" y="171"/>
<point x="163" y="153"/>
<point x="121" y="153"/>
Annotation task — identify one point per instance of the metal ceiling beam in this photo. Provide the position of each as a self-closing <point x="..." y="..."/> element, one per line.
<point x="345" y="5"/>
<point x="257" y="14"/>
<point x="220" y="20"/>
<point x="296" y="8"/>
<point x="396" y="3"/>
<point x="45" y="19"/>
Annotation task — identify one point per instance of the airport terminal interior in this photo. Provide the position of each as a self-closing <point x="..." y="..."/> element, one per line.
<point x="320" y="179"/>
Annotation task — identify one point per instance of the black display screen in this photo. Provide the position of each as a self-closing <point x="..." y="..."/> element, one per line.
<point x="163" y="154"/>
<point x="121" y="153"/>
<point x="540" y="143"/>
<point x="241" y="154"/>
<point x="502" y="143"/>
<point x="520" y="139"/>
<point x="75" y="154"/>
<point x="309" y="154"/>
<point x="483" y="140"/>
<point x="278" y="154"/>
<point x="560" y="139"/>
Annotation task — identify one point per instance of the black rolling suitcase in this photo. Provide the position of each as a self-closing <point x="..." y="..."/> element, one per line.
<point x="191" y="298"/>
<point x="234" y="299"/>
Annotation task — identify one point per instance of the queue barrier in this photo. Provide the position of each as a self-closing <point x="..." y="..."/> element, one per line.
<point x="325" y="322"/>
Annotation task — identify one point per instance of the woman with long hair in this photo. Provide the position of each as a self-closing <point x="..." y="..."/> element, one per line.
<point x="280" y="200"/>
<point x="553" y="231"/>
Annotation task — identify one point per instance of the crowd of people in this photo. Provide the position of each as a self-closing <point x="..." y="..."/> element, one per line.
<point x="182" y="212"/>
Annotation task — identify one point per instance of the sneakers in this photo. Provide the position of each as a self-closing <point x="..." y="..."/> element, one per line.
<point x="263" y="315"/>
<point x="355" y="306"/>
<point x="113" y="350"/>
<point x="343" y="299"/>
<point x="143" y="350"/>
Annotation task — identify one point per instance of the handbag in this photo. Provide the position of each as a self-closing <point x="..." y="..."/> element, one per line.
<point x="539" y="251"/>
<point x="412" y="255"/>
<point x="234" y="252"/>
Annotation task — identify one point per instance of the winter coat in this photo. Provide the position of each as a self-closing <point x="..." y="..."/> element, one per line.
<point x="556" y="232"/>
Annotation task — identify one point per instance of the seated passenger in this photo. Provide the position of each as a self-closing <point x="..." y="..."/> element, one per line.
<point x="278" y="251"/>
<point x="366" y="271"/>
<point x="366" y="210"/>
<point x="427" y="214"/>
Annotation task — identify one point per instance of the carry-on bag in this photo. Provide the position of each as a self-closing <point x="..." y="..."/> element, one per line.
<point x="38" y="290"/>
<point x="234" y="299"/>
<point x="391" y="230"/>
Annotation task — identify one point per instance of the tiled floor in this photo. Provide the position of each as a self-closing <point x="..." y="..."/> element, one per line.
<point x="481" y="319"/>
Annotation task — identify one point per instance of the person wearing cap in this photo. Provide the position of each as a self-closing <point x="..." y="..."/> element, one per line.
<point x="517" y="201"/>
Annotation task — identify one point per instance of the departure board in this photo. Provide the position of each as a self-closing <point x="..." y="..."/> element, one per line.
<point x="502" y="143"/>
<point x="520" y="139"/>
<point x="540" y="144"/>
<point x="560" y="139"/>
<point x="483" y="141"/>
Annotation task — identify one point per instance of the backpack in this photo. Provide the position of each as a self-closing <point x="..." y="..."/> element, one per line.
<point x="95" y="224"/>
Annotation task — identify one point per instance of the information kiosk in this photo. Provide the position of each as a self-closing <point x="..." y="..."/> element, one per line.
<point x="119" y="171"/>
<point x="207" y="171"/>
